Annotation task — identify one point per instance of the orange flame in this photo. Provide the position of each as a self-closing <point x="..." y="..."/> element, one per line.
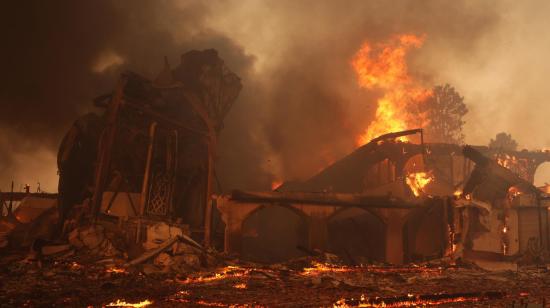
<point x="122" y="303"/>
<point x="322" y="268"/>
<point x="224" y="273"/>
<point x="276" y="184"/>
<point x="411" y="301"/>
<point x="417" y="181"/>
<point x="240" y="286"/>
<point x="383" y="66"/>
<point x="117" y="270"/>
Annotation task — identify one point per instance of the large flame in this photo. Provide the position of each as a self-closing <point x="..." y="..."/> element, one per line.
<point x="417" y="181"/>
<point x="383" y="66"/>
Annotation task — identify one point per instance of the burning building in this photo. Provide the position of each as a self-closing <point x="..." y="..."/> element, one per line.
<point x="139" y="195"/>
<point x="387" y="201"/>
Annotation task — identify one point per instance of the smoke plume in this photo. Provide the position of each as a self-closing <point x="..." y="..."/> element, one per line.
<point x="300" y="107"/>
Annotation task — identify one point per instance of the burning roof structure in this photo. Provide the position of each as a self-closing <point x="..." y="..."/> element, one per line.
<point x="406" y="192"/>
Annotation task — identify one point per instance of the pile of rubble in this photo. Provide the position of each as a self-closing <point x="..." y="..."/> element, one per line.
<point x="100" y="265"/>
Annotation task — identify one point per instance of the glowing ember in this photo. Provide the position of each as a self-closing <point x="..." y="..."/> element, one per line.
<point x="513" y="192"/>
<point x="322" y="268"/>
<point x="507" y="161"/>
<point x="458" y="193"/>
<point x="517" y="165"/>
<point x="383" y="66"/>
<point x="122" y="303"/>
<point x="116" y="270"/>
<point x="75" y="266"/>
<point x="411" y="300"/>
<point x="224" y="273"/>
<point x="276" y="184"/>
<point x="417" y="181"/>
<point x="181" y="297"/>
<point x="240" y="286"/>
<point x="211" y="304"/>
<point x="405" y="303"/>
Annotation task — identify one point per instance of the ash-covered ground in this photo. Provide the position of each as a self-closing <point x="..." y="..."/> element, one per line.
<point x="90" y="281"/>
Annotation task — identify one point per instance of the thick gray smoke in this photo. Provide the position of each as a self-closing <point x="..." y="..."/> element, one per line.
<point x="300" y="107"/>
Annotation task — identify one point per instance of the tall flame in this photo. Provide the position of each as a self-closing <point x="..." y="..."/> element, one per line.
<point x="383" y="66"/>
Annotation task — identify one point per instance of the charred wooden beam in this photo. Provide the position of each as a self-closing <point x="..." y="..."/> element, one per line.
<point x="487" y="170"/>
<point x="396" y="135"/>
<point x="410" y="300"/>
<point x="329" y="199"/>
<point x="106" y="146"/>
<point x="18" y="196"/>
<point x="161" y="118"/>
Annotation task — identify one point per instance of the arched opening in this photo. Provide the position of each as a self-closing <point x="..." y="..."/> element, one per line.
<point x="542" y="175"/>
<point x="358" y="233"/>
<point x="414" y="164"/>
<point x="272" y="233"/>
<point x="424" y="234"/>
<point x="380" y="174"/>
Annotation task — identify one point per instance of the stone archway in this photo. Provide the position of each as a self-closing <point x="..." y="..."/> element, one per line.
<point x="359" y="233"/>
<point x="271" y="233"/>
<point x="542" y="174"/>
<point x="424" y="236"/>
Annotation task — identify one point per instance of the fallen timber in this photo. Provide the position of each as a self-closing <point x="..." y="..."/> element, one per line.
<point x="18" y="196"/>
<point x="332" y="199"/>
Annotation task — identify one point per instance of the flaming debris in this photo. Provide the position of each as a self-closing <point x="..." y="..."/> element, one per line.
<point x="411" y="300"/>
<point x="224" y="273"/>
<point x="519" y="166"/>
<point x="322" y="268"/>
<point x="383" y="66"/>
<point x="75" y="266"/>
<point x="513" y="192"/>
<point x="276" y="184"/>
<point x="458" y="193"/>
<point x="417" y="181"/>
<point x="117" y="270"/>
<point x="122" y="303"/>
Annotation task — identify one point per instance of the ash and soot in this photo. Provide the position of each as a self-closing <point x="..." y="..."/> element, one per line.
<point x="243" y="153"/>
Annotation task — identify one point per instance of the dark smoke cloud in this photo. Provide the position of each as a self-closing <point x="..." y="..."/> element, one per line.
<point x="56" y="58"/>
<point x="300" y="107"/>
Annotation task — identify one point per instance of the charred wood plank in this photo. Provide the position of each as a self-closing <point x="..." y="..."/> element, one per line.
<point x="18" y="196"/>
<point x="149" y="254"/>
<point x="328" y="199"/>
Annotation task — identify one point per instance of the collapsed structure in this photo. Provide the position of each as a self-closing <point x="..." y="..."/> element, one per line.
<point x="147" y="161"/>
<point x="136" y="197"/>
<point x="145" y="169"/>
<point x="399" y="202"/>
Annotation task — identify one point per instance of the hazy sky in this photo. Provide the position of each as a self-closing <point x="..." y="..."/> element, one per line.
<point x="300" y="107"/>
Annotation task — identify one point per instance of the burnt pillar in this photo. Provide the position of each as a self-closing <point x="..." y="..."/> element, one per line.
<point x="317" y="217"/>
<point x="395" y="221"/>
<point x="318" y="232"/>
<point x="233" y="215"/>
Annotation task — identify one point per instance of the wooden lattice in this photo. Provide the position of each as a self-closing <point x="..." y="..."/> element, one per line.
<point x="159" y="194"/>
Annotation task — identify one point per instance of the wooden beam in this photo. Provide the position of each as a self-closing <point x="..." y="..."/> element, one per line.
<point x="106" y="147"/>
<point x="18" y="196"/>
<point x="328" y="199"/>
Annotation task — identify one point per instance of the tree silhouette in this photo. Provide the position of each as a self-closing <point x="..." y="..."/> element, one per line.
<point x="503" y="142"/>
<point x="444" y="111"/>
